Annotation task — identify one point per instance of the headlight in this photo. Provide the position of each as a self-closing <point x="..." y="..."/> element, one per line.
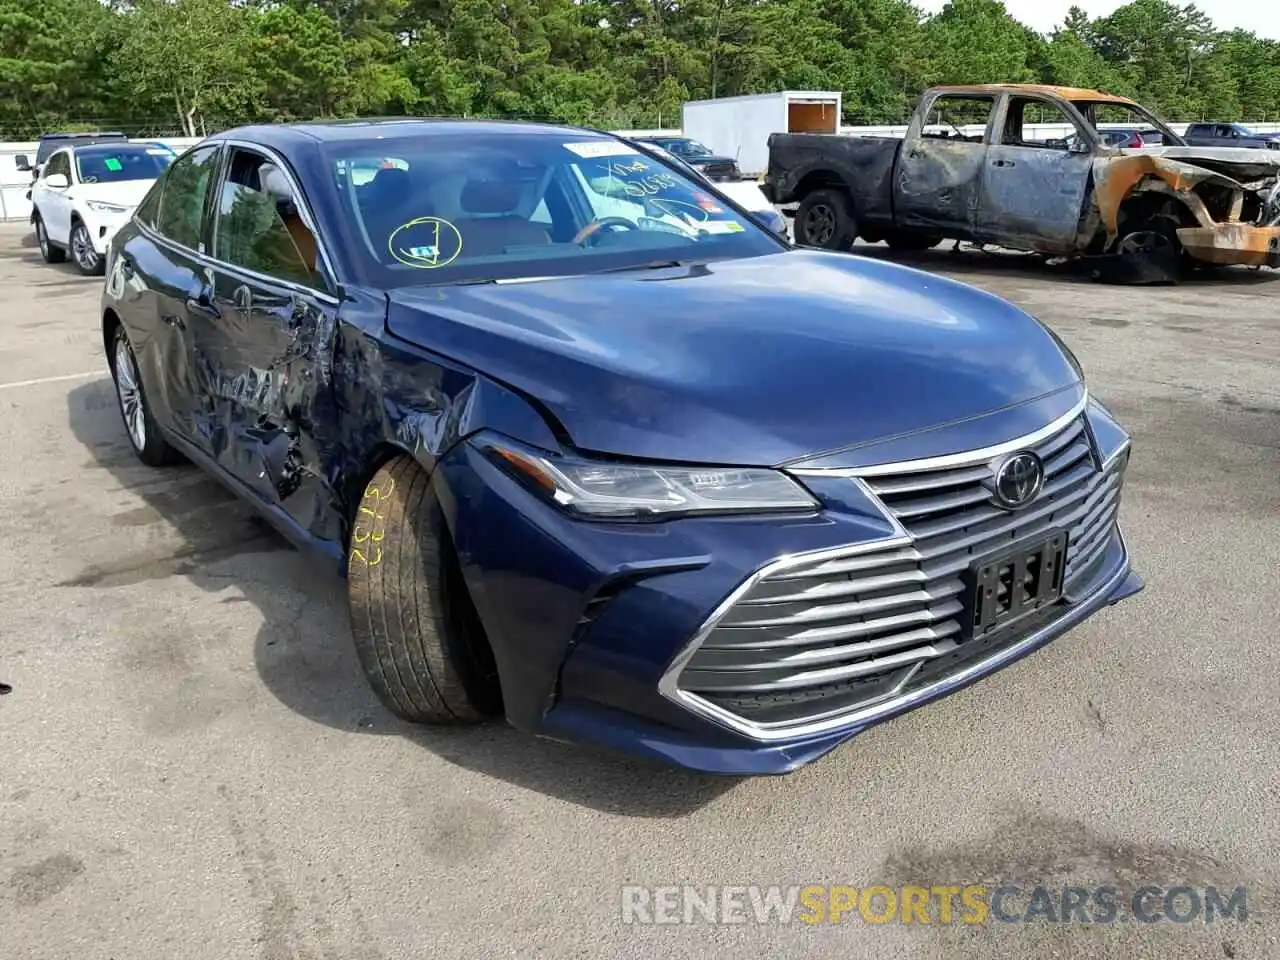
<point x="101" y="207"/>
<point x="605" y="490"/>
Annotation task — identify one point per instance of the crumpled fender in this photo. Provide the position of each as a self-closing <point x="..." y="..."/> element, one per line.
<point x="1116" y="177"/>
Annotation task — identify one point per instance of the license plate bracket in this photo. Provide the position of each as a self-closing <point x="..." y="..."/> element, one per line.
<point x="1006" y="586"/>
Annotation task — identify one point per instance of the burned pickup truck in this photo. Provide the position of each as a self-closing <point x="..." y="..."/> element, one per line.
<point x="990" y="164"/>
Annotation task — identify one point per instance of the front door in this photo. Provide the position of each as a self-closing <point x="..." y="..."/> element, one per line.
<point x="1035" y="178"/>
<point x="940" y="170"/>
<point x="53" y="203"/>
<point x="261" y="345"/>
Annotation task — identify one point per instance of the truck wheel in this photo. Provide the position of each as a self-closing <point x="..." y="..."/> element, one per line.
<point x="420" y="642"/>
<point x="825" y="219"/>
<point x="1147" y="252"/>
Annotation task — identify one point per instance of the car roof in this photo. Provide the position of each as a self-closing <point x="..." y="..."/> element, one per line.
<point x="1065" y="93"/>
<point x="285" y="135"/>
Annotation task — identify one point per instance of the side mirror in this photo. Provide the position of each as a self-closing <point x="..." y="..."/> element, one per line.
<point x="57" y="181"/>
<point x="22" y="162"/>
<point x="1079" y="145"/>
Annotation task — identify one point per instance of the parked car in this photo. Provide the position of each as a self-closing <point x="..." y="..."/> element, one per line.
<point x="1230" y="135"/>
<point x="696" y="155"/>
<point x="969" y="169"/>
<point x="50" y="142"/>
<point x="84" y="193"/>
<point x="682" y="490"/>
<point x="745" y="193"/>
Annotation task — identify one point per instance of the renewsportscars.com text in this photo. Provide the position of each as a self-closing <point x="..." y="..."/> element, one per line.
<point x="937" y="904"/>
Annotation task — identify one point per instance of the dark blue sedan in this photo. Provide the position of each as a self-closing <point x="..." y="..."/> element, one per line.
<point x="597" y="451"/>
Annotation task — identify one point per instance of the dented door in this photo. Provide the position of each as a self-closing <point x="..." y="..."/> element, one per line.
<point x="262" y="352"/>
<point x="939" y="184"/>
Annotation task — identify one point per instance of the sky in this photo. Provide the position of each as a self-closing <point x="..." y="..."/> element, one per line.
<point x="1260" y="16"/>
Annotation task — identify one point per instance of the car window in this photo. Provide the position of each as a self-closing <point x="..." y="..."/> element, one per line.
<point x="1104" y="114"/>
<point x="186" y="185"/>
<point x="58" y="163"/>
<point x="963" y="118"/>
<point x="113" y="164"/>
<point x="1025" y="114"/>
<point x="150" y="205"/>
<point x="446" y="207"/>
<point x="257" y="224"/>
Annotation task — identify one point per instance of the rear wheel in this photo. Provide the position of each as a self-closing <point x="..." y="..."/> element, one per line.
<point x="144" y="433"/>
<point x="88" y="260"/>
<point x="825" y="219"/>
<point x="48" y="251"/>
<point x="420" y="642"/>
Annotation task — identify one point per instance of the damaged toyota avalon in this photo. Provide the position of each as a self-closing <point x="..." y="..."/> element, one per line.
<point x="596" y="451"/>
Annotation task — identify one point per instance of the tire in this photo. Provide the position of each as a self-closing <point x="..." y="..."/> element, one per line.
<point x="139" y="424"/>
<point x="48" y="251"/>
<point x="88" y="261"/>
<point x="1147" y="252"/>
<point x="417" y="635"/>
<point x="912" y="242"/>
<point x="825" y="219"/>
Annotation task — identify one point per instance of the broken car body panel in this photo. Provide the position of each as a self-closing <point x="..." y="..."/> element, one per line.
<point x="1077" y="196"/>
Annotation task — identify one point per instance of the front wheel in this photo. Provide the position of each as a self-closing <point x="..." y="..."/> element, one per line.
<point x="418" y="636"/>
<point x="825" y="219"/>
<point x="48" y="251"/>
<point x="88" y="260"/>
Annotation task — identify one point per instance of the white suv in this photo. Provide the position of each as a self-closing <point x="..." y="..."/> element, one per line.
<point x="85" y="193"/>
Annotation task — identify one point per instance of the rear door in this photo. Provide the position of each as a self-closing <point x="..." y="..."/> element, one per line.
<point x="262" y="347"/>
<point x="939" y="178"/>
<point x="158" y="273"/>
<point x="1033" y="184"/>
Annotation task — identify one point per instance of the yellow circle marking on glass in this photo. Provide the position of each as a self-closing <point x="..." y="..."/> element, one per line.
<point x="430" y="256"/>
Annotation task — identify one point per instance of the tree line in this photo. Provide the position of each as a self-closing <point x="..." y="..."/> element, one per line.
<point x="189" y="67"/>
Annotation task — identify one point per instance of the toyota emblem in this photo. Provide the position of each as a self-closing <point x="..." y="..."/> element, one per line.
<point x="1018" y="480"/>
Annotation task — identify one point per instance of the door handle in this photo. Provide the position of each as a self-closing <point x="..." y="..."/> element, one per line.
<point x="1003" y="163"/>
<point x="203" y="307"/>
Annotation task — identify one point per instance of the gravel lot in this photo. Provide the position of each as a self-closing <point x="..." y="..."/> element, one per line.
<point x="193" y="766"/>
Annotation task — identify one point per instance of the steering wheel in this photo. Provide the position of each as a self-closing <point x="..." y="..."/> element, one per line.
<point x="595" y="226"/>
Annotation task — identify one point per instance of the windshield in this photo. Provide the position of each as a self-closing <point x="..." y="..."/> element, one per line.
<point x="1243" y="131"/>
<point x="1105" y="114"/>
<point x="688" y="148"/>
<point x="130" y="161"/>
<point x="448" y="207"/>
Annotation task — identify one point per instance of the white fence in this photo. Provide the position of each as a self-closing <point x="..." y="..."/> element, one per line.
<point x="14" y="184"/>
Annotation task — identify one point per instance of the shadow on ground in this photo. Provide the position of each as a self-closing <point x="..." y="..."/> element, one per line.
<point x="303" y="651"/>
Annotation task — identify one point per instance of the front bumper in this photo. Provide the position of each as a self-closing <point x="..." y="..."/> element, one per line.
<point x="591" y="623"/>
<point x="1228" y="244"/>
<point x="102" y="226"/>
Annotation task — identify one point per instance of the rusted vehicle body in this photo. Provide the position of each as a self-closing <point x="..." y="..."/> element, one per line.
<point x="972" y="167"/>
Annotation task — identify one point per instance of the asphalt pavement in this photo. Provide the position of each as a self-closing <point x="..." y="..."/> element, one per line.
<point x="191" y="765"/>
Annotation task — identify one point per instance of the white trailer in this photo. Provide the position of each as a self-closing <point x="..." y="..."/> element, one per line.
<point x="739" y="127"/>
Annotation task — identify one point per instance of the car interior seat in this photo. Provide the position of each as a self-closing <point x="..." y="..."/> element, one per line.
<point x="273" y="182"/>
<point x="490" y="222"/>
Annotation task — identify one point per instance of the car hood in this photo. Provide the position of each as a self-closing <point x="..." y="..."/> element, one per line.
<point x="755" y="361"/>
<point x="1245" y="161"/>
<point x="128" y="193"/>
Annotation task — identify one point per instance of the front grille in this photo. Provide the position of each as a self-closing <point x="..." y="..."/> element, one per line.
<point x="717" y="170"/>
<point x="840" y="633"/>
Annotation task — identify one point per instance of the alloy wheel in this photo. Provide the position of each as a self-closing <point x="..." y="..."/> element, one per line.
<point x="82" y="249"/>
<point x="820" y="225"/>
<point x="129" y="390"/>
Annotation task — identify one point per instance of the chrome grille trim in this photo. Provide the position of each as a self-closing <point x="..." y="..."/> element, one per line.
<point x="829" y="636"/>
